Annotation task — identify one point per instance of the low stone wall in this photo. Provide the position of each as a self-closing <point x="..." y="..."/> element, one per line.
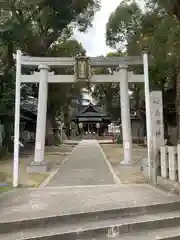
<point x="168" y="165"/>
<point x="170" y="162"/>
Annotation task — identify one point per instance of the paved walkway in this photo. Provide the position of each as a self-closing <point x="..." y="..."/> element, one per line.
<point x="54" y="201"/>
<point x="85" y="166"/>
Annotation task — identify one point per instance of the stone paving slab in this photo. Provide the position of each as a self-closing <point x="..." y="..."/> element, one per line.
<point x="85" y="166"/>
<point x="57" y="201"/>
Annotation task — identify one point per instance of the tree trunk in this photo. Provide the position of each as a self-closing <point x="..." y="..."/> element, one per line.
<point x="178" y="107"/>
<point x="166" y="134"/>
<point x="7" y="143"/>
<point x="52" y="137"/>
<point x="43" y="43"/>
<point x="166" y="124"/>
<point x="67" y="120"/>
<point x="49" y="133"/>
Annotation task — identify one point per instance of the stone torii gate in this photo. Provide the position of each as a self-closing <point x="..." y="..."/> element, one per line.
<point x="43" y="77"/>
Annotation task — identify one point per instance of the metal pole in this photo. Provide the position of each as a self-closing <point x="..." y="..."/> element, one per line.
<point x="148" y="111"/>
<point x="17" y="120"/>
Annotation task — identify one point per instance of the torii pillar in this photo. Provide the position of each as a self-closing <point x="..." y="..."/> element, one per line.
<point x="125" y="114"/>
<point x="39" y="165"/>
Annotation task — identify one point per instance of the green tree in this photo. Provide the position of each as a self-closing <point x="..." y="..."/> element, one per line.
<point x="107" y="94"/>
<point x="154" y="30"/>
<point x="34" y="26"/>
<point x="60" y="96"/>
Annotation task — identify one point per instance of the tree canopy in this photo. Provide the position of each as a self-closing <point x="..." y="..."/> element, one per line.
<point x="156" y="30"/>
<point x="40" y="28"/>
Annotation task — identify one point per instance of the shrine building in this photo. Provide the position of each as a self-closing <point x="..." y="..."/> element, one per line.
<point x="92" y="119"/>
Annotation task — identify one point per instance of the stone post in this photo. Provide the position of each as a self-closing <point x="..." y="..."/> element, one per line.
<point x="148" y="113"/>
<point x="125" y="115"/>
<point x="39" y="164"/>
<point x="172" y="163"/>
<point x="178" y="159"/>
<point x="164" y="162"/>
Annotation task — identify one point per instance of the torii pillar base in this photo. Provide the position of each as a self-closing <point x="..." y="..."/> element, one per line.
<point x="37" y="167"/>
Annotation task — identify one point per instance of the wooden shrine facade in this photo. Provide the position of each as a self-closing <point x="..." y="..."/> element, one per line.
<point x="91" y="119"/>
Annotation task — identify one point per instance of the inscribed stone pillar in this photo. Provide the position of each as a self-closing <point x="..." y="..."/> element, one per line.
<point x="125" y="115"/>
<point x="157" y="118"/>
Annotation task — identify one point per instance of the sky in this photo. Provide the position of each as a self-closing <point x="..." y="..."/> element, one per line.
<point x="94" y="39"/>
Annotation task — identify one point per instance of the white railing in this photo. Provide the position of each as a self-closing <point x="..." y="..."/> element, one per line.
<point x="169" y="163"/>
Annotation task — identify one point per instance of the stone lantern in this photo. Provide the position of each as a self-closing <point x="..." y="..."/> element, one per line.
<point x="80" y="125"/>
<point x="81" y="128"/>
<point x="98" y="127"/>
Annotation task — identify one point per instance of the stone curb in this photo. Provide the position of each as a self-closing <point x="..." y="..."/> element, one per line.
<point x="172" y="187"/>
<point x="115" y="177"/>
<point x="177" y="237"/>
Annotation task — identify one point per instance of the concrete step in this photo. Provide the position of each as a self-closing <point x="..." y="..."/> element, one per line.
<point x="98" y="228"/>
<point x="171" y="233"/>
<point x="93" y="216"/>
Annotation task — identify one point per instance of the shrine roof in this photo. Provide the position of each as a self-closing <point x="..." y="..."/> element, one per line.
<point x="91" y="111"/>
<point x="92" y="114"/>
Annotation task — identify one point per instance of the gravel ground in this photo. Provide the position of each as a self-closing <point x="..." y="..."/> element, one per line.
<point x="127" y="173"/>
